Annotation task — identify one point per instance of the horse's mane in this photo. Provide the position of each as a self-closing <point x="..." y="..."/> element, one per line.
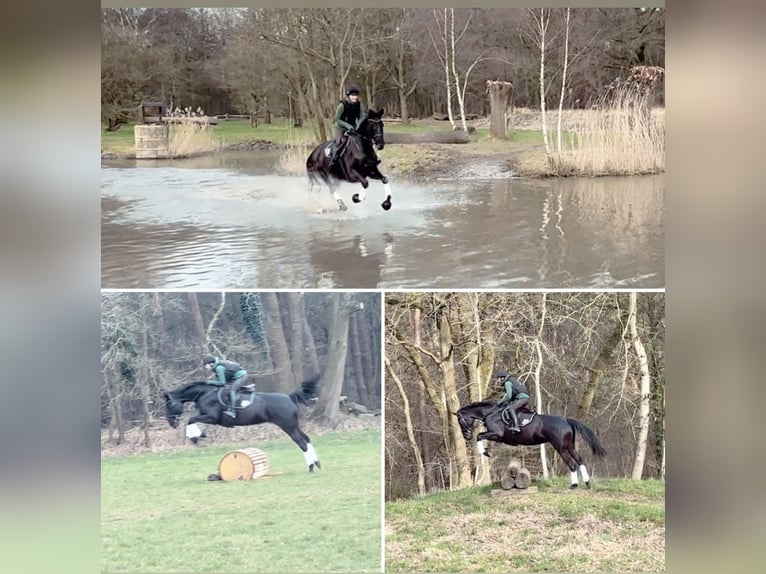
<point x="480" y="404"/>
<point x="196" y="386"/>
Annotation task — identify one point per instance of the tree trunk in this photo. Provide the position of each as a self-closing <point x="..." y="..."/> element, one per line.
<point x="310" y="353"/>
<point x="355" y="350"/>
<point x="643" y="410"/>
<point x="499" y="100"/>
<point x="296" y="313"/>
<point x="563" y="85"/>
<point x="332" y="378"/>
<point x="159" y="325"/>
<point x="197" y="324"/>
<point x="272" y="324"/>
<point x="538" y="368"/>
<point x="598" y="370"/>
<point x="410" y="430"/>
<point x="542" y="29"/>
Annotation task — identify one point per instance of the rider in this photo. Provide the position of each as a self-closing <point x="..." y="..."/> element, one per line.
<point x="226" y="372"/>
<point x="516" y="396"/>
<point x="348" y="117"/>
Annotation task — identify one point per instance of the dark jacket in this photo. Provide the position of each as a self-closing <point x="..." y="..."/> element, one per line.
<point x="227" y="371"/>
<point x="349" y="116"/>
<point x="514" y="390"/>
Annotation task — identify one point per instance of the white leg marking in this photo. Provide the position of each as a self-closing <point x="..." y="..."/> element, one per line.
<point x="573" y="477"/>
<point x="480" y="446"/>
<point x="387" y="189"/>
<point x="584" y="472"/>
<point x="336" y="196"/>
<point x="363" y="194"/>
<point x="309" y="458"/>
<point x="312" y="452"/>
<point x="192" y="431"/>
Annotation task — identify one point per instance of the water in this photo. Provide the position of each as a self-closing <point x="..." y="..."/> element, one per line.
<point x="230" y="222"/>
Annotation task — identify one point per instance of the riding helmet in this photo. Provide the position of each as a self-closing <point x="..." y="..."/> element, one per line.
<point x="352" y="90"/>
<point x="208" y="359"/>
<point x="501" y="374"/>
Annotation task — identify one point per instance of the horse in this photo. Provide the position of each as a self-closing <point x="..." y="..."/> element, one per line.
<point x="277" y="408"/>
<point x="356" y="163"/>
<point x="560" y="432"/>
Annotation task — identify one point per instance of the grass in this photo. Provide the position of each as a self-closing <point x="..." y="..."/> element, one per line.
<point x="159" y="514"/>
<point x="615" y="139"/>
<point x="618" y="526"/>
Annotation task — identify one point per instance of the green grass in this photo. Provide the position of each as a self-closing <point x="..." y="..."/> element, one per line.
<point x="159" y="513"/>
<point x="617" y="526"/>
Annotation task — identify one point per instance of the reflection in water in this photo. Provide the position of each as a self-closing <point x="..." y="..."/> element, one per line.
<point x="243" y="227"/>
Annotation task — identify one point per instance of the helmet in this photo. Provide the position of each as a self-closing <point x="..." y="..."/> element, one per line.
<point x="352" y="90"/>
<point x="501" y="373"/>
<point x="208" y="359"/>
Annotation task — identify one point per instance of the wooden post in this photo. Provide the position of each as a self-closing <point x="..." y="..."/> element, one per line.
<point x="499" y="99"/>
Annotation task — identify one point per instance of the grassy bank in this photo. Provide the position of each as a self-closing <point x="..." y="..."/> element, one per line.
<point x="593" y="143"/>
<point x="159" y="514"/>
<point x="618" y="526"/>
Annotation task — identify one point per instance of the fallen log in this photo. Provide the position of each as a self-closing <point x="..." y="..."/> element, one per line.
<point x="458" y="137"/>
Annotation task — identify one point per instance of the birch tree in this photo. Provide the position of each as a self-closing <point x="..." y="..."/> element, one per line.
<point x="644" y="393"/>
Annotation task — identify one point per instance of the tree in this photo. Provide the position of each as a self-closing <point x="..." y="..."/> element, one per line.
<point x="333" y="376"/>
<point x="499" y="101"/>
<point x="644" y="395"/>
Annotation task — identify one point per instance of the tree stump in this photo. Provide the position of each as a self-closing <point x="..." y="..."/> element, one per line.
<point x="499" y="99"/>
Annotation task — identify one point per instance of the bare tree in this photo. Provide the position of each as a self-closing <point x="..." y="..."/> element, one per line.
<point x="645" y="389"/>
<point x="333" y="376"/>
<point x="410" y="432"/>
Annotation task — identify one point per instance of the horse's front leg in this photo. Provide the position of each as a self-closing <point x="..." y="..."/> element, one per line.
<point x="386" y="188"/>
<point x="486" y="435"/>
<point x="193" y="432"/>
<point x="359" y="197"/>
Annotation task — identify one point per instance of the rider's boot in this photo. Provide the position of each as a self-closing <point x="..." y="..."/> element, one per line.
<point x="515" y="419"/>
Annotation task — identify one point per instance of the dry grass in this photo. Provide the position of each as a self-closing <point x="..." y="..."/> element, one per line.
<point x="293" y="160"/>
<point x="191" y="139"/>
<point x="610" y="529"/>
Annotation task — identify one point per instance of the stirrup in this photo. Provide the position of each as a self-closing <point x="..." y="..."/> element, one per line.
<point x="231" y="413"/>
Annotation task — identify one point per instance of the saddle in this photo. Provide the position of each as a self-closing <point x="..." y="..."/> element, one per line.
<point x="244" y="398"/>
<point x="525" y="416"/>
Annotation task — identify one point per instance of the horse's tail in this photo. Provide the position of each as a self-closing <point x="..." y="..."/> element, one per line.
<point x="595" y="446"/>
<point x="306" y="391"/>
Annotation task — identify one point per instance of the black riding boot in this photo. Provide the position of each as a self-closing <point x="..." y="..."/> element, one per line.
<point x="232" y="402"/>
<point x="515" y="419"/>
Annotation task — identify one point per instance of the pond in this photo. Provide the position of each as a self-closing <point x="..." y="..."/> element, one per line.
<point x="231" y="221"/>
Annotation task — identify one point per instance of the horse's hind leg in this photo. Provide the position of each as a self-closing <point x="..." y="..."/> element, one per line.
<point x="569" y="460"/>
<point x="304" y="443"/>
<point x="581" y="465"/>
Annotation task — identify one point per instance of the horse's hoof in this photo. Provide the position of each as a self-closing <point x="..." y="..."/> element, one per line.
<point x="355" y="198"/>
<point x="386" y="204"/>
<point x="195" y="440"/>
<point x="319" y="466"/>
<point x="572" y="486"/>
<point x="486" y="453"/>
<point x="311" y="468"/>
<point x="212" y="477"/>
<point x="342" y="206"/>
<point x="587" y="485"/>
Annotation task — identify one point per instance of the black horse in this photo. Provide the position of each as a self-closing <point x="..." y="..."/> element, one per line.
<point x="277" y="408"/>
<point x="536" y="429"/>
<point x="357" y="162"/>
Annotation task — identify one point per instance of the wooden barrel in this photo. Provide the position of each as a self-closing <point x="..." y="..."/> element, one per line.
<point x="152" y="141"/>
<point x="243" y="464"/>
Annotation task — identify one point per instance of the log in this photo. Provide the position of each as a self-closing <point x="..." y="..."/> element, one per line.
<point x="456" y="137"/>
<point x="523" y="479"/>
<point x="444" y="117"/>
<point x="243" y="464"/>
<point x="514" y="467"/>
